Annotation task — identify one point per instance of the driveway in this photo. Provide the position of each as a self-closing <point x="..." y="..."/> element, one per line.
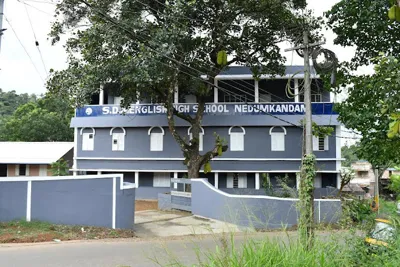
<point x="154" y="223"/>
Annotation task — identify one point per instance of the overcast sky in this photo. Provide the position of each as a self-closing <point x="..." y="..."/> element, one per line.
<point x="18" y="73"/>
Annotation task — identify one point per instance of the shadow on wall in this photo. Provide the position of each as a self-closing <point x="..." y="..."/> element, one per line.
<point x="260" y="212"/>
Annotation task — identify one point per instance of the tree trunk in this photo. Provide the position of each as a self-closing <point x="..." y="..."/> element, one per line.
<point x="193" y="170"/>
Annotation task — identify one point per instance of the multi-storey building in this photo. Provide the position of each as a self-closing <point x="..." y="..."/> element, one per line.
<point x="259" y="119"/>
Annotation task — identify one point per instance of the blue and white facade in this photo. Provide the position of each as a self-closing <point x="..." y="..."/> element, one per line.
<point x="259" y="120"/>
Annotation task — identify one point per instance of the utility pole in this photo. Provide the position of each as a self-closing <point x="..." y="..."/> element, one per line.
<point x="306" y="190"/>
<point x="306" y="48"/>
<point x="1" y="20"/>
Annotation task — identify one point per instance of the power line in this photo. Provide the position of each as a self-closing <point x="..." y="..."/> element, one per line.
<point x="179" y="62"/>
<point x="26" y="51"/>
<point x="36" y="41"/>
<point x="44" y="12"/>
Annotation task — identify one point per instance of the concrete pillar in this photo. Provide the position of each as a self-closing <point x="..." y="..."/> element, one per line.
<point x="257" y="181"/>
<point x="339" y="180"/>
<point x="216" y="180"/>
<point x="215" y="91"/>
<point x="176" y="177"/>
<point x="74" y="173"/>
<point x="101" y="95"/>
<point x="99" y="173"/>
<point x="137" y="179"/>
<point x="256" y="92"/>
<point x="298" y="181"/>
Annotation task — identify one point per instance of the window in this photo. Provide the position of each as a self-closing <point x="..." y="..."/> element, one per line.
<point x="320" y="143"/>
<point x="22" y="170"/>
<point x="237" y="180"/>
<point x="161" y="179"/>
<point x="118" y="139"/>
<point x="87" y="139"/>
<point x="237" y="138"/>
<point x="201" y="134"/>
<point x="277" y="139"/>
<point x="156" y="139"/>
<point x="118" y="142"/>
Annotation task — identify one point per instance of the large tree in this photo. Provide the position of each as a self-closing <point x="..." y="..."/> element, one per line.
<point x="149" y="48"/>
<point x="366" y="26"/>
<point x="47" y="119"/>
<point x="10" y="101"/>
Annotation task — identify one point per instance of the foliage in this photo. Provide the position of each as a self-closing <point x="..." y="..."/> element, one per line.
<point x="349" y="153"/>
<point x="394" y="184"/>
<point x="47" y="119"/>
<point x="10" y="101"/>
<point x="321" y="131"/>
<point x="267" y="185"/>
<point x="333" y="250"/>
<point x="148" y="49"/>
<point x="306" y="202"/>
<point x="352" y="22"/>
<point x="346" y="175"/>
<point x="60" y="168"/>
<point x="356" y="211"/>
<point x="371" y="99"/>
<point x="284" y="191"/>
<point x="389" y="208"/>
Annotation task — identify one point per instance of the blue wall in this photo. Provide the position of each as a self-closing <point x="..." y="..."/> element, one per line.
<point x="74" y="200"/>
<point x="257" y="212"/>
<point x="257" y="144"/>
<point x="13" y="200"/>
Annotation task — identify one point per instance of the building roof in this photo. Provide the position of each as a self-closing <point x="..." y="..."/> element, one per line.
<point x="355" y="188"/>
<point x="33" y="152"/>
<point x="242" y="70"/>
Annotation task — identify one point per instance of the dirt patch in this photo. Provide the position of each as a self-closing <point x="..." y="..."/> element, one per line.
<point x="32" y="232"/>
<point x="141" y="205"/>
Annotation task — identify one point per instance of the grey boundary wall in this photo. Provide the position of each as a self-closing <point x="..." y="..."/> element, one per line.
<point x="259" y="212"/>
<point x="92" y="200"/>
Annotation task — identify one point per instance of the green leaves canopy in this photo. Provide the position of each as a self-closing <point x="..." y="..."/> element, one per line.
<point x="371" y="100"/>
<point x="149" y="48"/>
<point x="365" y="25"/>
<point x="45" y="120"/>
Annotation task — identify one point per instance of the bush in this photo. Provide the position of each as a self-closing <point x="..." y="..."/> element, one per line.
<point x="356" y="211"/>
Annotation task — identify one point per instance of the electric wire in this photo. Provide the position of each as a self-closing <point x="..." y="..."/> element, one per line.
<point x="181" y="63"/>
<point x="36" y="41"/>
<point x="26" y="51"/>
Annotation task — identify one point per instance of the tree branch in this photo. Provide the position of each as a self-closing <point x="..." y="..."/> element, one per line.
<point x="171" y="120"/>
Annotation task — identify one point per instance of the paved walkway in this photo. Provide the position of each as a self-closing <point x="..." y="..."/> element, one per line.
<point x="164" y="224"/>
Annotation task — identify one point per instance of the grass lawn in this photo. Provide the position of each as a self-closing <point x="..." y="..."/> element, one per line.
<point x="28" y="232"/>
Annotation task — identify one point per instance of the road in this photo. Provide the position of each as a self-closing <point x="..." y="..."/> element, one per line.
<point x="116" y="253"/>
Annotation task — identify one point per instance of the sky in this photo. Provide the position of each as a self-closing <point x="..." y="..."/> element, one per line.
<point x="25" y="72"/>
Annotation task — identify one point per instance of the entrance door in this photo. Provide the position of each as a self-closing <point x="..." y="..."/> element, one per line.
<point x="3" y="170"/>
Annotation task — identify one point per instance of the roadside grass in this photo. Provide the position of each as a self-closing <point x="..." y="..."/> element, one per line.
<point x="388" y="207"/>
<point x="35" y="231"/>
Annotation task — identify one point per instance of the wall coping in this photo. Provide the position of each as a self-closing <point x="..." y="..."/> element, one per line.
<point x="123" y="185"/>
<point x="206" y="183"/>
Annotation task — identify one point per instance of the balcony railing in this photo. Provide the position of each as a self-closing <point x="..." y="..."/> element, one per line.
<point x="210" y="109"/>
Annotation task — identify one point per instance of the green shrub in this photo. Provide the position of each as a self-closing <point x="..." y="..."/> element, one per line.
<point x="355" y="211"/>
